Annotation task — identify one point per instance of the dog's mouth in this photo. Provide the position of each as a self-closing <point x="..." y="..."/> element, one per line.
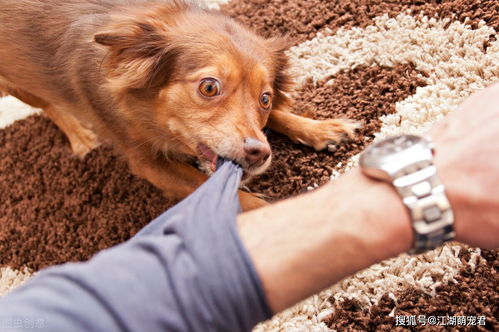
<point x="209" y="157"/>
<point x="208" y="160"/>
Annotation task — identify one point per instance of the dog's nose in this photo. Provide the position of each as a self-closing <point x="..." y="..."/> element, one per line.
<point x="256" y="151"/>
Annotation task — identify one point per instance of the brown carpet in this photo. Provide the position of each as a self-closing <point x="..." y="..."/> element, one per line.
<point x="397" y="66"/>
<point x="57" y="208"/>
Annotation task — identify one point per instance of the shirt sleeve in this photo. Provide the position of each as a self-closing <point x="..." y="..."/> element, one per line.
<point x="185" y="271"/>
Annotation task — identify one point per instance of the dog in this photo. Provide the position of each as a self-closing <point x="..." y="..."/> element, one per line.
<point x="168" y="83"/>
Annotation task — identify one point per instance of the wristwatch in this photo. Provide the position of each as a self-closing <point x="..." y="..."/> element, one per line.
<point x="406" y="162"/>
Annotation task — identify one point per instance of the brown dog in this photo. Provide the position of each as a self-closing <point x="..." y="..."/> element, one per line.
<point x="167" y="82"/>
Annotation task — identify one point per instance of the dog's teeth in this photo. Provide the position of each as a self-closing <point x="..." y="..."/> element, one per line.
<point x="332" y="147"/>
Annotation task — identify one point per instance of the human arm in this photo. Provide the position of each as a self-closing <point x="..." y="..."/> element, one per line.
<point x="305" y="244"/>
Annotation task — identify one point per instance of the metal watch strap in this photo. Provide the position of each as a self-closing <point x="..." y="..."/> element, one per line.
<point x="430" y="210"/>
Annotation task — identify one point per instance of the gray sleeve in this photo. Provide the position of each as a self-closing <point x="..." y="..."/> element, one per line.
<point x="185" y="271"/>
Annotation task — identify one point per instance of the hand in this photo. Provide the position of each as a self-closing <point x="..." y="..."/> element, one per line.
<point x="467" y="160"/>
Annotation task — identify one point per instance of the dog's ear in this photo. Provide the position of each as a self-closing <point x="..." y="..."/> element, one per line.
<point x="141" y="56"/>
<point x="283" y="83"/>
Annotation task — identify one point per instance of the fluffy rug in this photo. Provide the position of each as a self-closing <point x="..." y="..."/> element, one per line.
<point x="398" y="66"/>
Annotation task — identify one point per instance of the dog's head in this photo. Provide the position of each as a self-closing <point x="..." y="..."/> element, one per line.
<point x="201" y="84"/>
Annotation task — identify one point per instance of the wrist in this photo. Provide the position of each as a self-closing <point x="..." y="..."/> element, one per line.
<point x="459" y="195"/>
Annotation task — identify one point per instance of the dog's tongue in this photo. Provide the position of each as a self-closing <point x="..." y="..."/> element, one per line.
<point x="209" y="155"/>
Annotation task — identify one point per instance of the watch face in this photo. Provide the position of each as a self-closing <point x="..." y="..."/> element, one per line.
<point x="389" y="154"/>
<point x="393" y="145"/>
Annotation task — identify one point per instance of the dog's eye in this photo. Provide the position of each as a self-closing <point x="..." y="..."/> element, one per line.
<point x="265" y="100"/>
<point x="209" y="87"/>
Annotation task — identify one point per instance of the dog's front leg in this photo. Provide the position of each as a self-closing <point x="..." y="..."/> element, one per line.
<point x="315" y="133"/>
<point x="177" y="180"/>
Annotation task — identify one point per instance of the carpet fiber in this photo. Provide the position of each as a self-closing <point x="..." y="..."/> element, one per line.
<point x="397" y="66"/>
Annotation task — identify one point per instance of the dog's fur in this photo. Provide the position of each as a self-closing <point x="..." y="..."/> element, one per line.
<point x="128" y="72"/>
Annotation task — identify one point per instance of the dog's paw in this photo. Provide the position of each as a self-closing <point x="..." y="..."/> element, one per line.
<point x="329" y="133"/>
<point x="82" y="141"/>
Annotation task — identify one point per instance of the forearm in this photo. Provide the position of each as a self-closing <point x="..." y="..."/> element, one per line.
<point x="327" y="234"/>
